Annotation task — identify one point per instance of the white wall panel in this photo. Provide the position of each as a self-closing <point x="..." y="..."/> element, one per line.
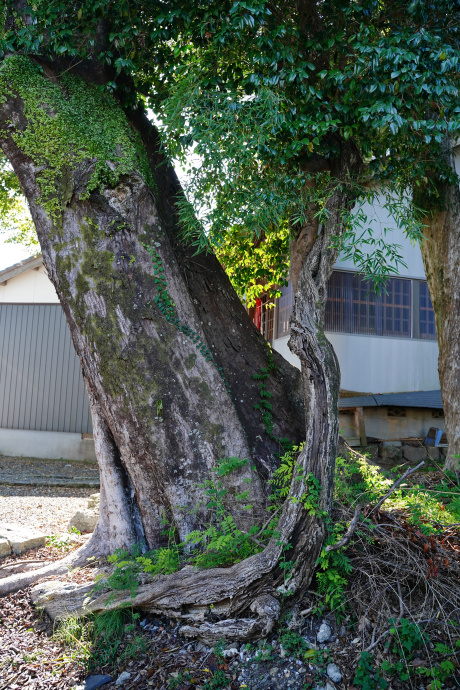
<point x="378" y="364"/>
<point x="30" y="287"/>
<point x="379" y="220"/>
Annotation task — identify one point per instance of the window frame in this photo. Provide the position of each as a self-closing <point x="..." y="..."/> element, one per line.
<point x="348" y="317"/>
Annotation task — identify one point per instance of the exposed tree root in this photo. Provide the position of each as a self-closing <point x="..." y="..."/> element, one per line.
<point x="218" y="600"/>
<point x="76" y="559"/>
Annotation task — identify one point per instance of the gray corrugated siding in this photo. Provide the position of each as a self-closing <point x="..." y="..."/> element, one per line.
<point x="41" y="384"/>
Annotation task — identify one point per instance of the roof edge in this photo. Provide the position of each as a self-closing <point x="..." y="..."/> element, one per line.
<point x="21" y="267"/>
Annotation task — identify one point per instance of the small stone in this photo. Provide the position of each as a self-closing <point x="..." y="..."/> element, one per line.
<point x="93" y="682"/>
<point x="5" y="548"/>
<point x="232" y="651"/>
<point x="310" y="645"/>
<point x="324" y="633"/>
<point x="333" y="672"/>
<point x="356" y="640"/>
<point x="94" y="501"/>
<point x="122" y="678"/>
<point x="273" y="671"/>
<point x="84" y="520"/>
<point x="200" y="647"/>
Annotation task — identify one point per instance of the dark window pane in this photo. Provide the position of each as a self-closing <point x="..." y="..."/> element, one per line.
<point x="353" y="306"/>
<point x="427" y="323"/>
<point x="285" y="303"/>
<point x="396" y="299"/>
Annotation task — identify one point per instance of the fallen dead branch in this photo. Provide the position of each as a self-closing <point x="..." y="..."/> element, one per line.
<point x="353" y="524"/>
<point x="349" y="533"/>
<point x="395" y="486"/>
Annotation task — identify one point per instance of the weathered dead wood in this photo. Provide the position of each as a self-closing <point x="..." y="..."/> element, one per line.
<point x="349" y="533"/>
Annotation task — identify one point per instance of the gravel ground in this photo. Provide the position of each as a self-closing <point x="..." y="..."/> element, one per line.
<point x="47" y="509"/>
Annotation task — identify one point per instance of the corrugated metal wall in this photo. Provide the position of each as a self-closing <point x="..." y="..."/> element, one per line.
<point x="41" y="384"/>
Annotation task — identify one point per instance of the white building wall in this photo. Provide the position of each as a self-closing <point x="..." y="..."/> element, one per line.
<point x="381" y="364"/>
<point x="370" y="364"/>
<point x="379" y="220"/>
<point x="31" y="287"/>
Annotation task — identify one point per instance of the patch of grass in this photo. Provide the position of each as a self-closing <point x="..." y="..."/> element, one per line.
<point x="59" y="541"/>
<point x="76" y="635"/>
<point x="293" y="643"/>
<point x="101" y="640"/>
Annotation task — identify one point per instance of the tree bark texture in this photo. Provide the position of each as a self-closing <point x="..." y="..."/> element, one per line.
<point x="441" y="258"/>
<point x="166" y="412"/>
<point x="243" y="602"/>
<point x="170" y="397"/>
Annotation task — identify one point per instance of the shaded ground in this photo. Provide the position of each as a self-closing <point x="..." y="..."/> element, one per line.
<point x="37" y="472"/>
<point x="410" y="571"/>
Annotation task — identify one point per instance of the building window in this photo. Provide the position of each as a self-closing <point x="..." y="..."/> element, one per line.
<point x="403" y="308"/>
<point x="396" y="308"/>
<point x="354" y="307"/>
<point x="284" y="310"/>
<point x="427" y="325"/>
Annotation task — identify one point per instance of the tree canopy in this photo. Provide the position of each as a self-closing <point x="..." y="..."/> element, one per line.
<point x="263" y="94"/>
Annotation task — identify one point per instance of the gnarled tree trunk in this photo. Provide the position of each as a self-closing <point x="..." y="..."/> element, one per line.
<point x="169" y="354"/>
<point x="441" y="258"/>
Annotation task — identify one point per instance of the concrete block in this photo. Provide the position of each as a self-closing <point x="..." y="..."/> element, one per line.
<point x="21" y="538"/>
<point x="389" y="453"/>
<point x="414" y="454"/>
<point x="5" y="547"/>
<point x="434" y="453"/>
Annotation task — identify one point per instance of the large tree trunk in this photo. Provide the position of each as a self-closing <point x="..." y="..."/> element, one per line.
<point x="169" y="354"/>
<point x="441" y="258"/>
